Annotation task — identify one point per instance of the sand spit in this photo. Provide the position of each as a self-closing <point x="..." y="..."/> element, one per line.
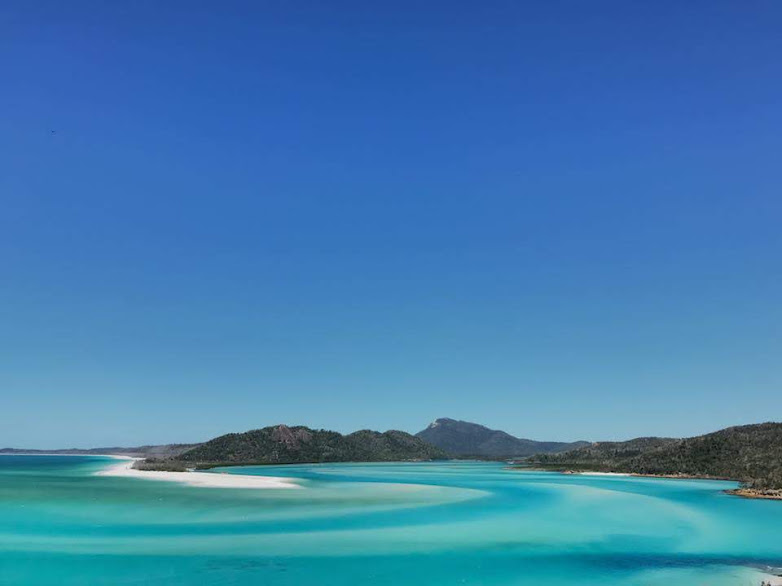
<point x="204" y="479"/>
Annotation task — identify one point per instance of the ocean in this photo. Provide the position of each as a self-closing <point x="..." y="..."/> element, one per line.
<point x="413" y="524"/>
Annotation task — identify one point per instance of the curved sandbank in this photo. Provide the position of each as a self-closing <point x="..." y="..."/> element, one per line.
<point x="205" y="479"/>
<point x="586" y="473"/>
<point x="771" y="579"/>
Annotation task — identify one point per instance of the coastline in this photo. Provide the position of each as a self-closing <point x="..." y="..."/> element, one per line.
<point x="125" y="469"/>
<point x="579" y="473"/>
<point x="756" y="493"/>
<point x="639" y="475"/>
<point x="771" y="579"/>
<point x="741" y="492"/>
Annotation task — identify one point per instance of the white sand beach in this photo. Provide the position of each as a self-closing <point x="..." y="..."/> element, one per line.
<point x="577" y="473"/>
<point x="770" y="579"/>
<point x="205" y="479"/>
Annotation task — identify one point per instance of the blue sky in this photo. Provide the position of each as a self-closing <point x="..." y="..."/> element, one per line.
<point x="561" y="219"/>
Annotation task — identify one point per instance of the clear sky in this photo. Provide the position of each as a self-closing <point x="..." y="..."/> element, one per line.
<point x="561" y="219"/>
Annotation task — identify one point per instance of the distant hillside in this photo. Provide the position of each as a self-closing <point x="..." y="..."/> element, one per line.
<point x="159" y="451"/>
<point x="281" y="444"/>
<point x="462" y="438"/>
<point x="749" y="453"/>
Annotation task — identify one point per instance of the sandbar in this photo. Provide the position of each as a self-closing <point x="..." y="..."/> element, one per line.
<point x="205" y="479"/>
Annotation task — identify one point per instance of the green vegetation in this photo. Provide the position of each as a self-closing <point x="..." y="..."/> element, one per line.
<point x="464" y="439"/>
<point x="164" y="465"/>
<point x="288" y="445"/>
<point x="751" y="454"/>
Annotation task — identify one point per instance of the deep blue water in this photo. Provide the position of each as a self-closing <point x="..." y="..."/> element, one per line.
<point x="407" y="523"/>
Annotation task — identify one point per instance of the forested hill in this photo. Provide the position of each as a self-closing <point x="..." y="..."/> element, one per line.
<point x="466" y="439"/>
<point x="749" y="453"/>
<point x="281" y="444"/>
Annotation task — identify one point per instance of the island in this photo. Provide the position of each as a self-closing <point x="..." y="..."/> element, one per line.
<point x="750" y="454"/>
<point x="282" y="444"/>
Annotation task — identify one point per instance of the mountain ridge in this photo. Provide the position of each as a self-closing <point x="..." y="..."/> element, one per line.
<point x="283" y="444"/>
<point x="467" y="439"/>
<point x="751" y="454"/>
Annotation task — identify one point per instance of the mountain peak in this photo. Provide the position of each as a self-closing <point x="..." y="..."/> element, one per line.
<point x="463" y="438"/>
<point x="440" y="421"/>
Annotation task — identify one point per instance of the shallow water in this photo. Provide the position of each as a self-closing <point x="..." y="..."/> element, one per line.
<point x="411" y="523"/>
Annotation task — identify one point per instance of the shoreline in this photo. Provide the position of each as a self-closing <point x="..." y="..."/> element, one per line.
<point x="746" y="493"/>
<point x="579" y="473"/>
<point x="627" y="474"/>
<point x="59" y="455"/>
<point x="741" y="492"/>
<point x="771" y="579"/>
<point x="125" y="469"/>
<point x="639" y="475"/>
<point x="756" y="493"/>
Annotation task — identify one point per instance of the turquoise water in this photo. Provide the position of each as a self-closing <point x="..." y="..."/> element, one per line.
<point x="407" y="523"/>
